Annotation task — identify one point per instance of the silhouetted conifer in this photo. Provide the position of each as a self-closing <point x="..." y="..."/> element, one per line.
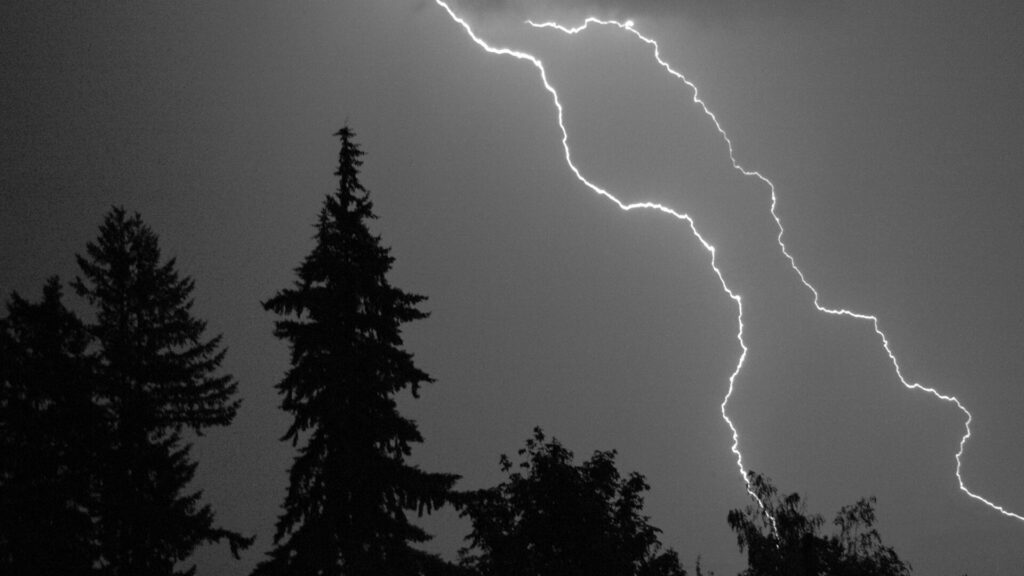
<point x="48" y="439"/>
<point x="350" y="486"/>
<point x="792" y="544"/>
<point x="157" y="380"/>
<point x="555" y="518"/>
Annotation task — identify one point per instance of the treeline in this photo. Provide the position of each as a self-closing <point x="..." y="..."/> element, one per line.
<point x="96" y="416"/>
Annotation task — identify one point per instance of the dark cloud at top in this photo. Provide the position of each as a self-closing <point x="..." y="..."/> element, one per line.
<point x="711" y="11"/>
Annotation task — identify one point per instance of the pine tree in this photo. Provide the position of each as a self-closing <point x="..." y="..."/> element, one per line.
<point x="350" y="486"/>
<point x="157" y="380"/>
<point x="49" y="432"/>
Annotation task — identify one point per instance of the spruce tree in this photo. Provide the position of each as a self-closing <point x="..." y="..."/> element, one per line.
<point x="49" y="432"/>
<point x="157" y="380"/>
<point x="350" y="485"/>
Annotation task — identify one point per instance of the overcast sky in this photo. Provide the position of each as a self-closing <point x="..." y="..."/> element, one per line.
<point x="894" y="133"/>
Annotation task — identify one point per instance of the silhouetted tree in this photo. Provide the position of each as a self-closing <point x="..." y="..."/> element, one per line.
<point x="794" y="545"/>
<point x="48" y="429"/>
<point x="350" y="486"/>
<point x="157" y="380"/>
<point x="555" y="518"/>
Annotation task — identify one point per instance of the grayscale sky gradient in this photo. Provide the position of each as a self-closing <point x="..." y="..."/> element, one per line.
<point x="894" y="133"/>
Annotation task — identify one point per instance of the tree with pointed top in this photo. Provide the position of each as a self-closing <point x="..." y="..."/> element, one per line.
<point x="350" y="486"/>
<point x="157" y="379"/>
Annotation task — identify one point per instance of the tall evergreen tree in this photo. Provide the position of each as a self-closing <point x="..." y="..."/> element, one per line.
<point x="157" y="380"/>
<point x="350" y="486"/>
<point x="49" y="431"/>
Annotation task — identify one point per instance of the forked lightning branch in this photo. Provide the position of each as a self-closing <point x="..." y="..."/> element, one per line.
<point x="629" y="27"/>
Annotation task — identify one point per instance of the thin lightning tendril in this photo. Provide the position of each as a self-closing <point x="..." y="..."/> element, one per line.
<point x="628" y="26"/>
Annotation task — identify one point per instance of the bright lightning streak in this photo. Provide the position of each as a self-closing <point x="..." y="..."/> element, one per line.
<point x="634" y="206"/>
<point x="628" y="26"/>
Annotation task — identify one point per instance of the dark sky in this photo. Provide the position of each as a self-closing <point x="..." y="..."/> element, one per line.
<point x="894" y="133"/>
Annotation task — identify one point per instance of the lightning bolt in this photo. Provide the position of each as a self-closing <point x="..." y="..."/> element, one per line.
<point x="629" y="27"/>
<point x="519" y="55"/>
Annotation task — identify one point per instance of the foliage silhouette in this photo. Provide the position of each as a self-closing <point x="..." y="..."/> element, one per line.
<point x="350" y="487"/>
<point x="48" y="438"/>
<point x="156" y="378"/>
<point x="555" y="518"/>
<point x="794" y="546"/>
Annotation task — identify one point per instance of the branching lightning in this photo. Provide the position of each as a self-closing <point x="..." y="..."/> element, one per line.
<point x="628" y="26"/>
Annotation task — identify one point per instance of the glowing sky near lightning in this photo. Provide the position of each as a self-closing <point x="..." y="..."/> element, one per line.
<point x="893" y="132"/>
<point x="628" y="26"/>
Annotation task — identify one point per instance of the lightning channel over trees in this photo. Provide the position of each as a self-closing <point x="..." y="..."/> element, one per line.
<point x="793" y="544"/>
<point x="95" y="452"/>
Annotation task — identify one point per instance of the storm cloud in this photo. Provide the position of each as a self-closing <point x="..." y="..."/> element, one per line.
<point x="711" y="11"/>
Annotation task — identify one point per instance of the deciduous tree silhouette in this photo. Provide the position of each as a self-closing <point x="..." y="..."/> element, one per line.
<point x="794" y="545"/>
<point x="350" y="486"/>
<point x="49" y="429"/>
<point x="157" y="379"/>
<point x="555" y="518"/>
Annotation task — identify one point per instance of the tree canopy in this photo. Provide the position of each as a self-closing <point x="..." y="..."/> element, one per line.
<point x="553" y="517"/>
<point x="782" y="539"/>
